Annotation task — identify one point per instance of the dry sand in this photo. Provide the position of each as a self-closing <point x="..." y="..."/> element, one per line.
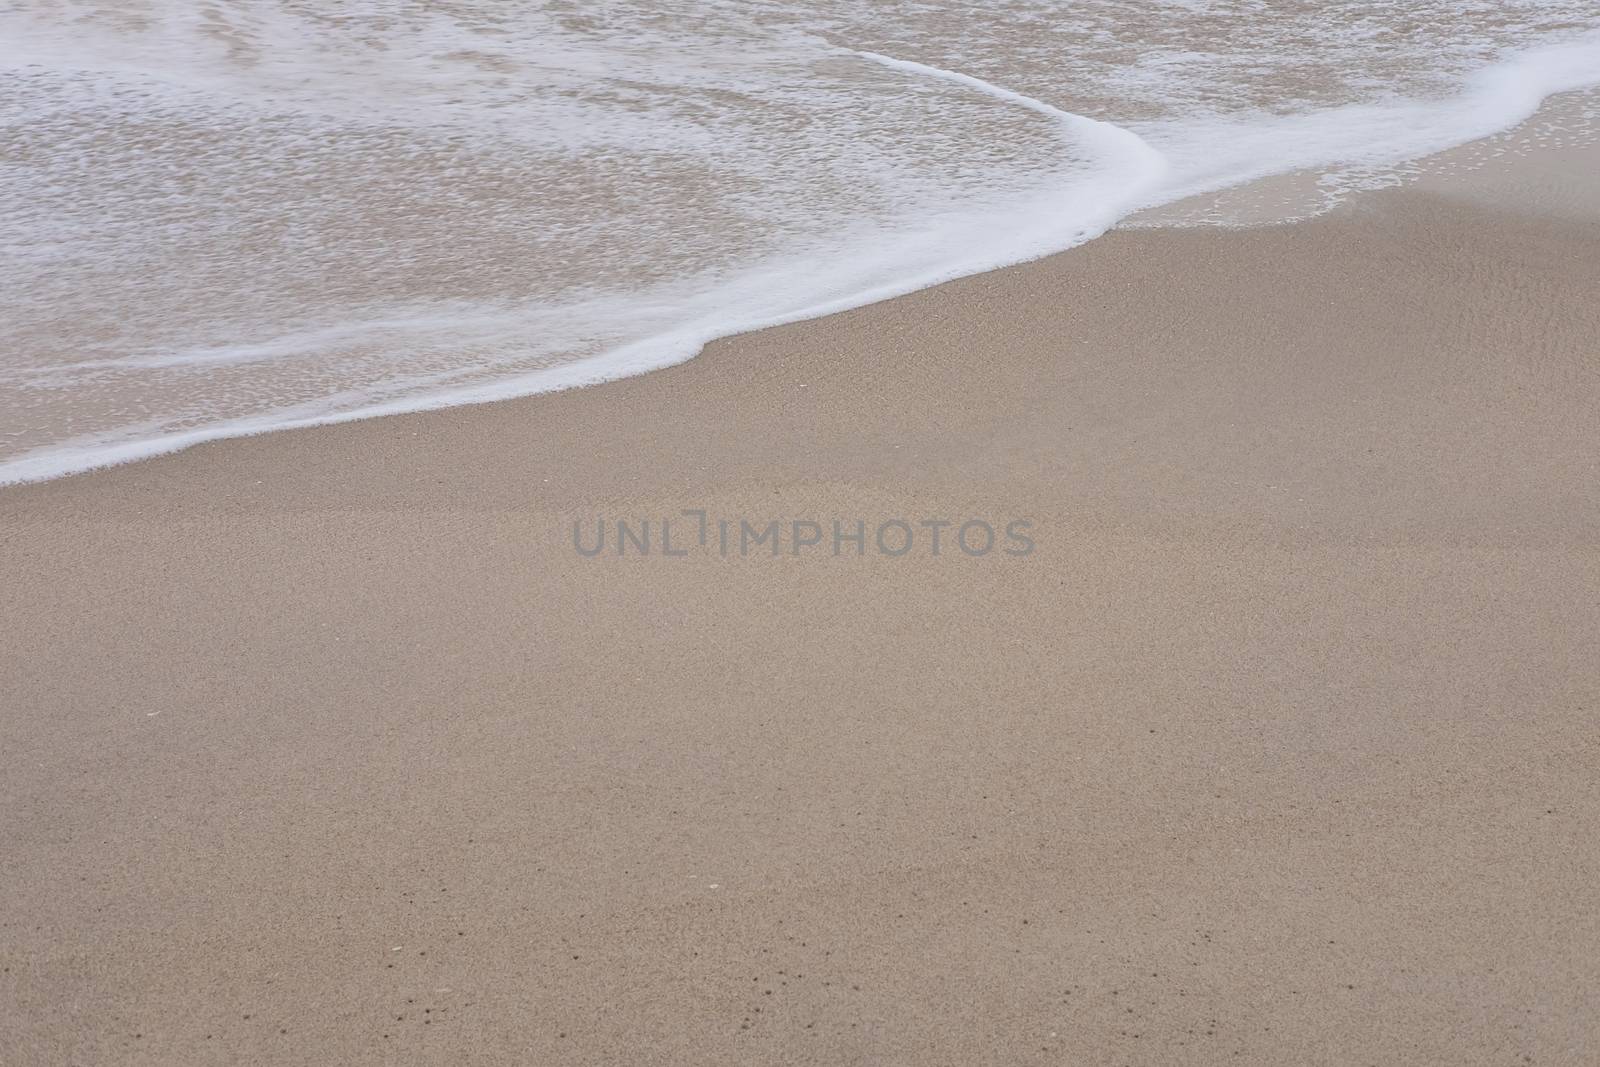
<point x="326" y="747"/>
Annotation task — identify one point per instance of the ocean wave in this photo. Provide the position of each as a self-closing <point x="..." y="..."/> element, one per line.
<point x="222" y="221"/>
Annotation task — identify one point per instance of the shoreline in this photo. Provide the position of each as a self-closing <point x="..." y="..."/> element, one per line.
<point x="1263" y="201"/>
<point x="327" y="745"/>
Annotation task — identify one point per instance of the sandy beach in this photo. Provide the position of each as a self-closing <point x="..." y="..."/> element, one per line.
<point x="327" y="746"/>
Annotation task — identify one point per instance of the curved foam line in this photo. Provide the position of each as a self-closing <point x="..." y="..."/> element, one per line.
<point x="1139" y="152"/>
<point x="988" y="88"/>
<point x="1490" y="101"/>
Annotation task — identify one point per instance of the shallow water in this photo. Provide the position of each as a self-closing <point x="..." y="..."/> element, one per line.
<point x="221" y="218"/>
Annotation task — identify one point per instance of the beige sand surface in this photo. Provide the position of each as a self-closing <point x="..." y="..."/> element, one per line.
<point x="1281" y="748"/>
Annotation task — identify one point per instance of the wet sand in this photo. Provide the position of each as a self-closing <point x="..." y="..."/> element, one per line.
<point x="1280" y="747"/>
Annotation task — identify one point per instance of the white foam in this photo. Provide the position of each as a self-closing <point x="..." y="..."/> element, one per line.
<point x="1368" y="137"/>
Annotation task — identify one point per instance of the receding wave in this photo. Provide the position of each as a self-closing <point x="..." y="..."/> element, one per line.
<point x="222" y="221"/>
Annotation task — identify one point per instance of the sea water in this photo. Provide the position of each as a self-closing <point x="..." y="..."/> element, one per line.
<point x="223" y="218"/>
